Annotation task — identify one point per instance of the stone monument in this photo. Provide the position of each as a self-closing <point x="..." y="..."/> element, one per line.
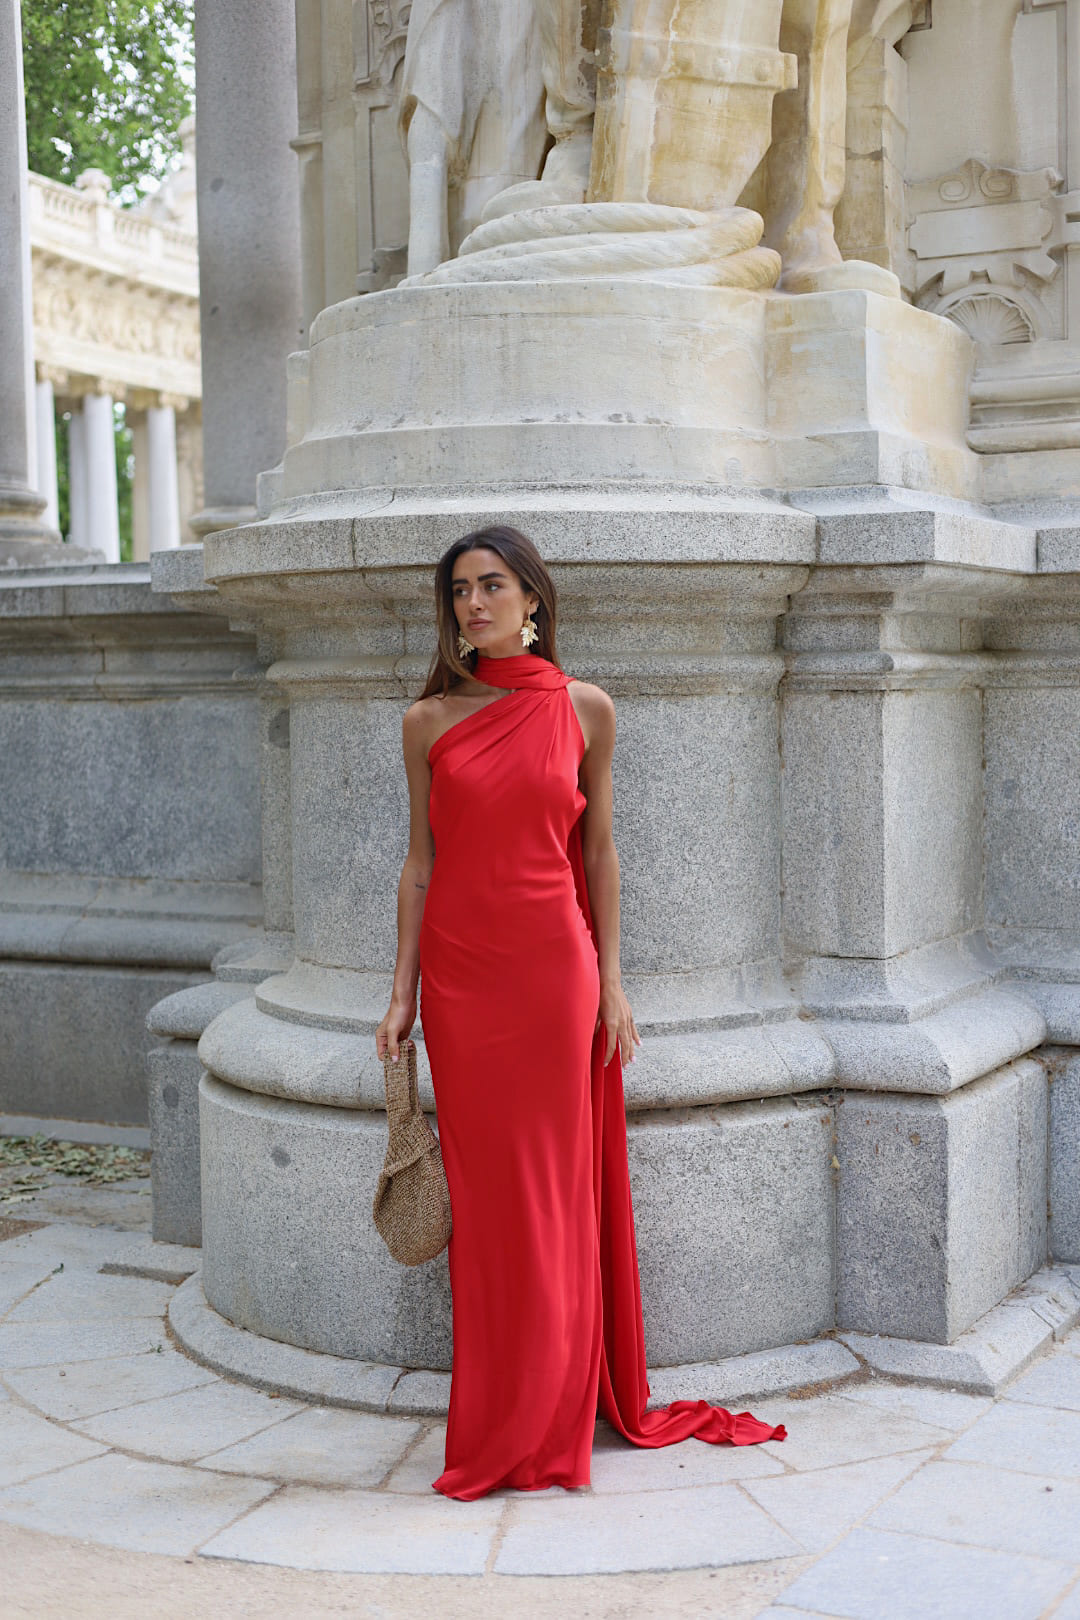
<point x="842" y="649"/>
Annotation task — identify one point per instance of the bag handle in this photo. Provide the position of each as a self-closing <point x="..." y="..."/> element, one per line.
<point x="402" y="1089"/>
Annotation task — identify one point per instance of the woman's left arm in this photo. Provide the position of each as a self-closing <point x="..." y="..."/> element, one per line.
<point x="601" y="861"/>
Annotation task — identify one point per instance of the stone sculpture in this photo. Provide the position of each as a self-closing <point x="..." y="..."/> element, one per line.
<point x="470" y="112"/>
<point x="670" y="108"/>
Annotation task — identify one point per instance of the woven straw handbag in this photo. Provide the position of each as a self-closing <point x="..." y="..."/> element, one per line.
<point x="412" y="1200"/>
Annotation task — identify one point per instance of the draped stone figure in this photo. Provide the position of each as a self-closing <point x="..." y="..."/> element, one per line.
<point x="784" y="60"/>
<point x="471" y="114"/>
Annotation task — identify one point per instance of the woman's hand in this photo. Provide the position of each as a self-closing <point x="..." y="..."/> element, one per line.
<point x="618" y="1020"/>
<point x="399" y="1019"/>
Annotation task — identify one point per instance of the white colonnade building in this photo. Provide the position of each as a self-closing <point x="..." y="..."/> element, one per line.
<point x="116" y="319"/>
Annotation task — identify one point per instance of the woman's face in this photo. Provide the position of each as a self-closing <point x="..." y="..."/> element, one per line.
<point x="489" y="603"/>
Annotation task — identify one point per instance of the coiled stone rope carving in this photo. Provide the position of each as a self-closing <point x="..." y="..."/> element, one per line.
<point x="640" y="241"/>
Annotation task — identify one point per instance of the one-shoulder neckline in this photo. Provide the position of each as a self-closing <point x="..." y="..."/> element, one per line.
<point x="464" y="721"/>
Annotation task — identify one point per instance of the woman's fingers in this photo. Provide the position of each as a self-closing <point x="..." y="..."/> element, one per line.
<point x="387" y="1043"/>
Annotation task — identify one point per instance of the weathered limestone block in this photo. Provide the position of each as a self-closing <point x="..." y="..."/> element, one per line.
<point x="941" y="1203"/>
<point x="290" y="1248"/>
<point x="1032" y="829"/>
<point x="173" y="1074"/>
<point x="1064" y="1072"/>
<point x="882" y="810"/>
<point x="734" y="1215"/>
<point x="73" y="1041"/>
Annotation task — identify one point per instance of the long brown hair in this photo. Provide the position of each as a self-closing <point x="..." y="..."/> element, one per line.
<point x="522" y="558"/>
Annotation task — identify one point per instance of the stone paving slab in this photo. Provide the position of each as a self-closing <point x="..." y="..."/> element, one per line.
<point x="124" y="1205"/>
<point x="1070" y="1609"/>
<point x="817" y="1507"/>
<point x="75" y="1245"/>
<point x="986" y="1507"/>
<point x="877" y="1575"/>
<point x="123" y="1502"/>
<point x="80" y="1389"/>
<point x="424" y="1464"/>
<point x="191" y="1424"/>
<point x="30" y="1445"/>
<point x="79" y="1243"/>
<point x="40" y="1344"/>
<point x="831" y="1430"/>
<point x="1029" y="1439"/>
<point x="619" y="1467"/>
<point x="578" y="1534"/>
<point x="1052" y="1383"/>
<point x="17" y="1279"/>
<point x="305" y="1528"/>
<point x="321" y="1446"/>
<point x="85" y="1296"/>
<point x="940" y="1408"/>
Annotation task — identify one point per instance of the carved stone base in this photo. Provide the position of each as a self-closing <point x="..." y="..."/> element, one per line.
<point x="584" y="383"/>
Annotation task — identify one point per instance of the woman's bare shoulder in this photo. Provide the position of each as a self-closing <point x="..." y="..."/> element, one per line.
<point x="426" y="708"/>
<point x="595" y="711"/>
<point x="420" y="722"/>
<point x="591" y="700"/>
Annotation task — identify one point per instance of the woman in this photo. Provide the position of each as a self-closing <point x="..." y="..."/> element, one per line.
<point x="508" y="909"/>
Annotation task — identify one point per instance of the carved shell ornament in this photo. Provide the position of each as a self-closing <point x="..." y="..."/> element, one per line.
<point x="992" y="319"/>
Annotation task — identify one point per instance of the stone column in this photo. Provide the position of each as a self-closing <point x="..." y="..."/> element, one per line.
<point x="249" y="244"/>
<point x="46" y="451"/>
<point x="189" y="463"/>
<point x="163" y="494"/>
<point x="140" y="490"/>
<point x="22" y="508"/>
<point x="102" y="517"/>
<point x="78" y="533"/>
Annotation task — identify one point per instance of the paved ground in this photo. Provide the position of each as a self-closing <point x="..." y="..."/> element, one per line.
<point x="135" y="1482"/>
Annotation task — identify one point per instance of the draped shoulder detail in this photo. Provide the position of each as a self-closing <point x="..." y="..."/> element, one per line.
<point x="521" y="669"/>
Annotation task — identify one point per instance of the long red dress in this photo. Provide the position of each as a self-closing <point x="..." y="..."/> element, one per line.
<point x="543" y="1266"/>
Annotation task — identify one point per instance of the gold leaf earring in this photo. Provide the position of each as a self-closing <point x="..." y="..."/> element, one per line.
<point x="464" y="647"/>
<point x="529" y="632"/>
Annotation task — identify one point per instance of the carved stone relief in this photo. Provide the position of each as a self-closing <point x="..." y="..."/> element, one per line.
<point x="691" y="98"/>
<point x="994" y="237"/>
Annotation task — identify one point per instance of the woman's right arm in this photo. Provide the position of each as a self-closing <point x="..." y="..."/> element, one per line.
<point x="412" y="887"/>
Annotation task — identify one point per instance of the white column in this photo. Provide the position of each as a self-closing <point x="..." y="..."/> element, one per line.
<point x="189" y="467"/>
<point x="77" y="530"/>
<point x="140" y="488"/>
<point x="102" y="516"/>
<point x="163" y="492"/>
<point x="20" y="503"/>
<point x="46" y="452"/>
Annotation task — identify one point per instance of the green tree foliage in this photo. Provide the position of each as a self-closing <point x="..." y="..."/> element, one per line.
<point x="107" y="84"/>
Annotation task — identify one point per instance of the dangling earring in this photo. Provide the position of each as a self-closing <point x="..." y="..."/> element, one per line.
<point x="464" y="647"/>
<point x="529" y="632"/>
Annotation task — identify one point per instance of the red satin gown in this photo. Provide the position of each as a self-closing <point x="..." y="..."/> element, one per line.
<point x="543" y="1266"/>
